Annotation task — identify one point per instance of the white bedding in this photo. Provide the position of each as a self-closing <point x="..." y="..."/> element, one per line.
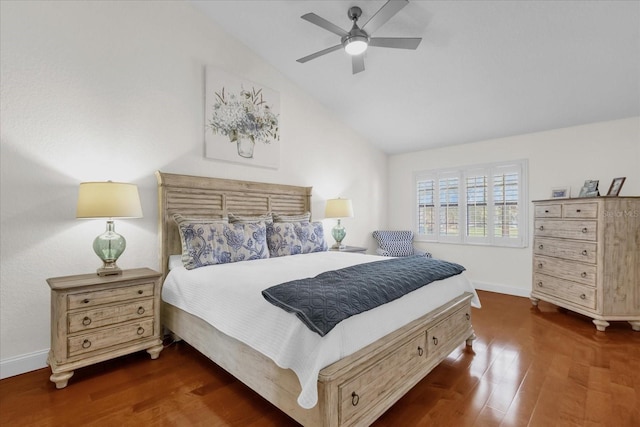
<point x="228" y="296"/>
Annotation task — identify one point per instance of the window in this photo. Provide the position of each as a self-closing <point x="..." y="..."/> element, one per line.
<point x="477" y="204"/>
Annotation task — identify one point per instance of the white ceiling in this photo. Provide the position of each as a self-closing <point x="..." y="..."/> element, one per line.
<point x="484" y="69"/>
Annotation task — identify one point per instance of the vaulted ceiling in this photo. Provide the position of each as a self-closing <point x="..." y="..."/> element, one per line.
<point x="484" y="69"/>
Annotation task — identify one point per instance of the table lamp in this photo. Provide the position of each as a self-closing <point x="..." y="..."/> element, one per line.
<point x="338" y="208"/>
<point x="108" y="200"/>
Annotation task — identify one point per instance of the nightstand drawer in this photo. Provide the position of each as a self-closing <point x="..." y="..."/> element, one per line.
<point x="108" y="337"/>
<point x="109" y="315"/>
<point x="90" y="299"/>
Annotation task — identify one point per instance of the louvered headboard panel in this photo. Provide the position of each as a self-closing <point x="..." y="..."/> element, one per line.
<point x="202" y="197"/>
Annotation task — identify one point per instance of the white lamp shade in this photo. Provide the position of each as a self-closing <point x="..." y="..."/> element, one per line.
<point x="108" y="200"/>
<point x="338" y="208"/>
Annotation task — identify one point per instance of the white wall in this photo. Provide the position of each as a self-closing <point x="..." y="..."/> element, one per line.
<point x="559" y="157"/>
<point x="114" y="90"/>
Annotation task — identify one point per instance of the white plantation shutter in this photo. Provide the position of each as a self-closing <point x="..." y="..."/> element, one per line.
<point x="477" y="204"/>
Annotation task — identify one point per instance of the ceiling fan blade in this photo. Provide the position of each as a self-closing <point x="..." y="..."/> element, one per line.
<point x="321" y="22"/>
<point x="319" y="53"/>
<point x="395" y="42"/>
<point x="385" y="13"/>
<point x="357" y="63"/>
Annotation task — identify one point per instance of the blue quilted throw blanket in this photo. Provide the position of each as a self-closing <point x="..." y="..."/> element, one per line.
<point x="323" y="301"/>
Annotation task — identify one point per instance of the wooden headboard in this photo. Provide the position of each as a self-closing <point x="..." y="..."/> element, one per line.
<point x="202" y="197"/>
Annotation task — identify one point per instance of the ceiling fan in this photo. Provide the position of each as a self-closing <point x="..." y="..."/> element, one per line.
<point x="356" y="41"/>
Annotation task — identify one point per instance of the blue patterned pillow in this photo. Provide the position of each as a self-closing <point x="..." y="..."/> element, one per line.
<point x="293" y="238"/>
<point x="210" y="241"/>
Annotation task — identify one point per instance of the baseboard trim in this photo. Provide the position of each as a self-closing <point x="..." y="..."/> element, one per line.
<point x="502" y="289"/>
<point x="23" y="363"/>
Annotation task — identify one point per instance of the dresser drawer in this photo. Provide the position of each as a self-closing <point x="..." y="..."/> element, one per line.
<point x="571" y="292"/>
<point x="578" y="230"/>
<point x="107" y="337"/>
<point x="107" y="296"/>
<point x="580" y="210"/>
<point x="567" y="249"/>
<point x="109" y="315"/>
<point x="548" y="211"/>
<point x="569" y="270"/>
<point x="363" y="392"/>
<point x="439" y="337"/>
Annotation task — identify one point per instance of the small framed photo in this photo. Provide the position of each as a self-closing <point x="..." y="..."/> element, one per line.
<point x="589" y="189"/>
<point x="615" y="187"/>
<point x="561" y="192"/>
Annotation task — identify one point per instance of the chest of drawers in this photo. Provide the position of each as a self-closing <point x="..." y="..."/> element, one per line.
<point x="96" y="318"/>
<point x="586" y="257"/>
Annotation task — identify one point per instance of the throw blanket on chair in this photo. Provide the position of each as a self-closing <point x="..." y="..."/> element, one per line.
<point x="323" y="301"/>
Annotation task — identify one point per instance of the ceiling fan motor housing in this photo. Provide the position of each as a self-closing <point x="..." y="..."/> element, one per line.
<point x="357" y="41"/>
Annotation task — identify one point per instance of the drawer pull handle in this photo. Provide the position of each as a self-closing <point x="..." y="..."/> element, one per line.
<point x="583" y="274"/>
<point x="539" y="284"/>
<point x="578" y="211"/>
<point x="355" y="399"/>
<point x="140" y="292"/>
<point x="585" y="253"/>
<point x="583" y="296"/>
<point x="467" y="316"/>
<point x="420" y="351"/>
<point x="141" y="310"/>
<point x="435" y="341"/>
<point x="140" y="330"/>
<point x="541" y="228"/>
<point x="546" y="211"/>
<point x="86" y="321"/>
<point x="541" y="246"/>
<point x="584" y="230"/>
<point x="539" y="265"/>
<point x="86" y="344"/>
<point x="85" y="301"/>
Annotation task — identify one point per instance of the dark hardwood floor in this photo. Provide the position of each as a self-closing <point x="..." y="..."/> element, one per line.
<point x="528" y="367"/>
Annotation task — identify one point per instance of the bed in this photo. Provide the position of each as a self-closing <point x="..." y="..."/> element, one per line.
<point x="355" y="388"/>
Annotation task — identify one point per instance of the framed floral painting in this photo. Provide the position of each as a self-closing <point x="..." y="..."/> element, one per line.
<point x="242" y="120"/>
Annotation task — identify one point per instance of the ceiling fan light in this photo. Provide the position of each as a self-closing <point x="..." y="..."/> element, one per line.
<point x="356" y="45"/>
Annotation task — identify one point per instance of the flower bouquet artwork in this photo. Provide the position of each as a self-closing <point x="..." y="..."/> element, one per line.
<point x="242" y="121"/>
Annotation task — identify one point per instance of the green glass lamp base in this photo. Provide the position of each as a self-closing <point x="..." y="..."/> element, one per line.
<point x="338" y="232"/>
<point x="109" y="246"/>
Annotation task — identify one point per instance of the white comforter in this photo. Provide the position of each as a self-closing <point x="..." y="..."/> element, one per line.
<point x="229" y="297"/>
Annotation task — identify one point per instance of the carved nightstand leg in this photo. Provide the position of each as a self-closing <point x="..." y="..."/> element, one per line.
<point x="154" y="352"/>
<point x="61" y="378"/>
<point x="601" y="325"/>
<point x="534" y="300"/>
<point x="635" y="325"/>
<point x="469" y="341"/>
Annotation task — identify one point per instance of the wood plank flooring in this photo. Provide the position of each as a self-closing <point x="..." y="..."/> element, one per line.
<point x="528" y="367"/>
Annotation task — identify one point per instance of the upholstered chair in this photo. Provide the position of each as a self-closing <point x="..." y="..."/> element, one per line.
<point x="396" y="243"/>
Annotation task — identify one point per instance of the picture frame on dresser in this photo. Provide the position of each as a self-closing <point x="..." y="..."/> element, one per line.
<point x="590" y="188"/>
<point x="616" y="185"/>
<point x="563" y="192"/>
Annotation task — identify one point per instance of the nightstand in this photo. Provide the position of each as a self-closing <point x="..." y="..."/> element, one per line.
<point x="350" y="249"/>
<point x="96" y="318"/>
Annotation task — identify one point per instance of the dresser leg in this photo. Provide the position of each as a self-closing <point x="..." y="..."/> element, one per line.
<point x="601" y="325"/>
<point x="154" y="352"/>
<point x="534" y="301"/>
<point x="635" y="325"/>
<point x="61" y="378"/>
